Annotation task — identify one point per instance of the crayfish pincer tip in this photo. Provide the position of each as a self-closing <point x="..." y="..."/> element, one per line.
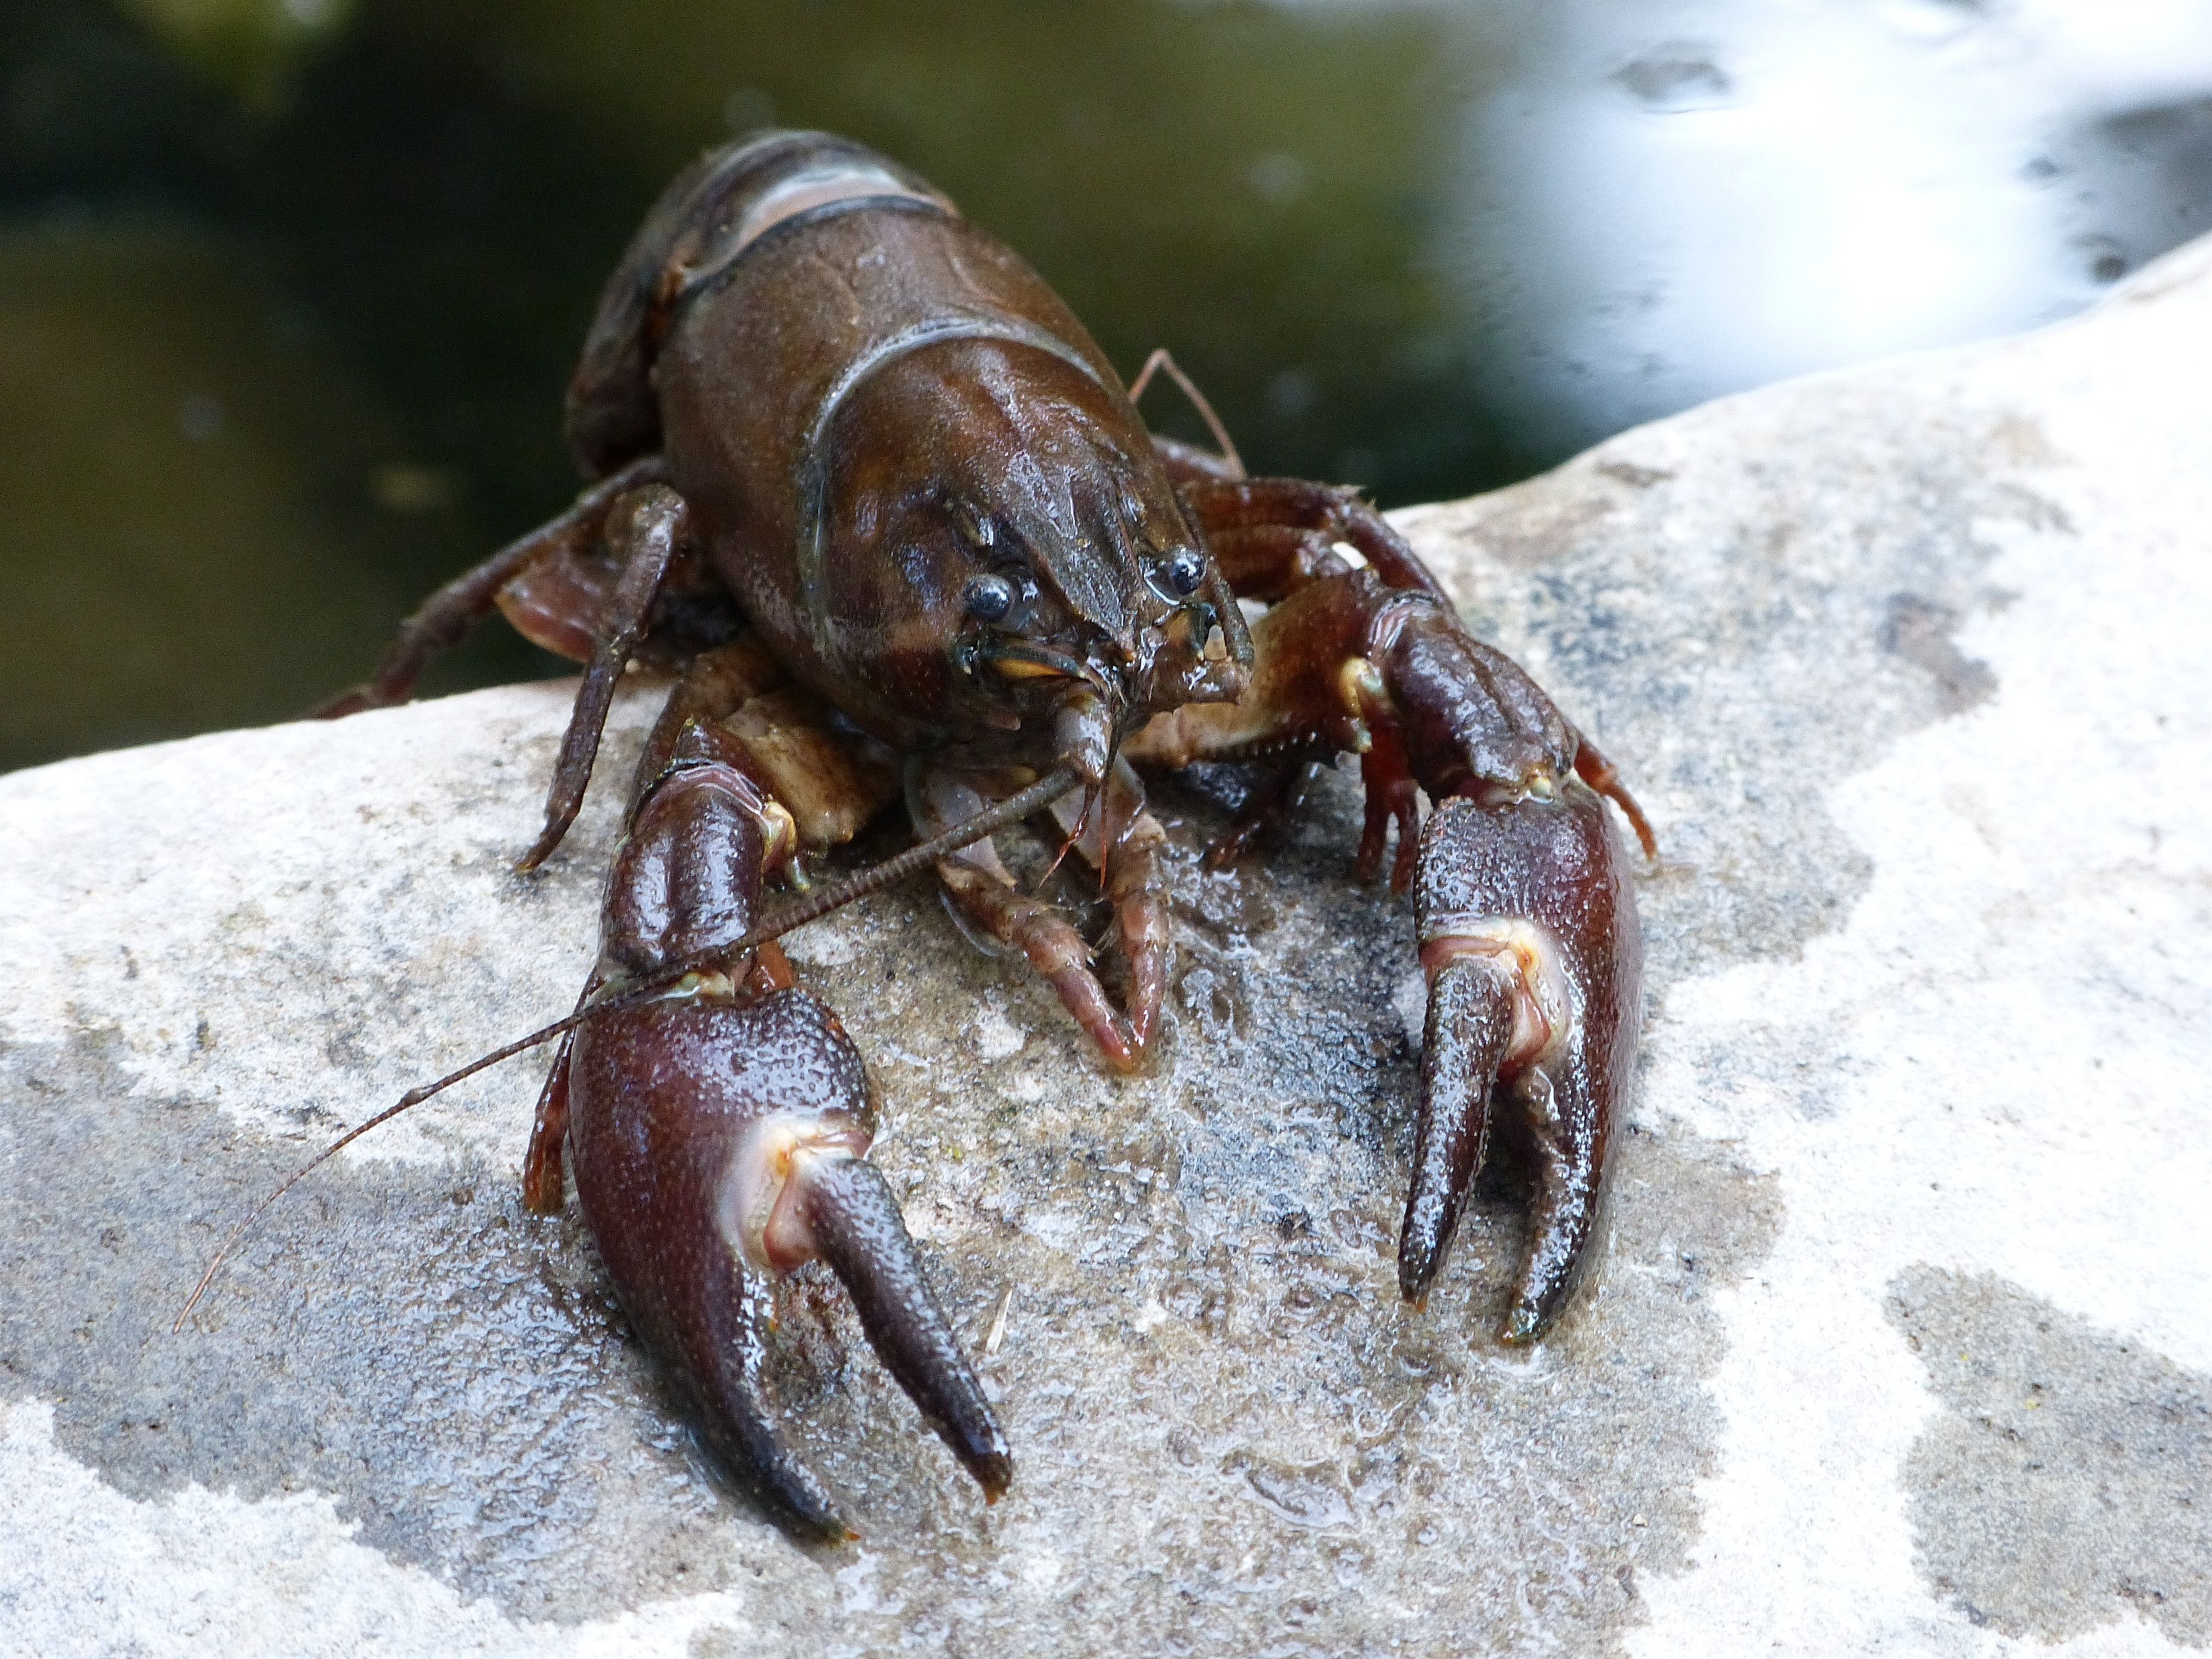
<point x="1521" y="1327"/>
<point x="1417" y="1268"/>
<point x="544" y="847"/>
<point x="994" y="1469"/>
<point x="1413" y="1291"/>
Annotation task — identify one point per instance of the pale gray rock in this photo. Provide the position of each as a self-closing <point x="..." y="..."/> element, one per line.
<point x="1907" y="667"/>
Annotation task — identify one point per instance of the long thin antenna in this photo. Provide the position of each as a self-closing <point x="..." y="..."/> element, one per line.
<point x="892" y="870"/>
<point x="1161" y="362"/>
<point x="896" y="869"/>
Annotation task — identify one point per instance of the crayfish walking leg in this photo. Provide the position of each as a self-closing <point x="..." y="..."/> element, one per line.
<point x="718" y="1133"/>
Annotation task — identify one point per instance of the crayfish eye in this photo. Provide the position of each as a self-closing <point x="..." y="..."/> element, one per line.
<point x="1184" y="572"/>
<point x="989" y="599"/>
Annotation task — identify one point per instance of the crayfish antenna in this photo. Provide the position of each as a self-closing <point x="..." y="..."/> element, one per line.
<point x="1160" y="361"/>
<point x="407" y="1101"/>
<point x="821" y="903"/>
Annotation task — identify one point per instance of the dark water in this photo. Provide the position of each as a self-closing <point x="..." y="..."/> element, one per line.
<point x="288" y="289"/>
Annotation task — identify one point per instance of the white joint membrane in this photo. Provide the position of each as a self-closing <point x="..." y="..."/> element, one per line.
<point x="1546" y="1013"/>
<point x="761" y="1212"/>
<point x="841" y="181"/>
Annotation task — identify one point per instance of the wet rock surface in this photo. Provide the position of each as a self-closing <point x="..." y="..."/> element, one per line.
<point x="2069" y="1468"/>
<point x="1918" y="1013"/>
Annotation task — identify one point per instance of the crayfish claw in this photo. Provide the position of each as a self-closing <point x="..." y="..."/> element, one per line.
<point x="859" y="1231"/>
<point x="1527" y="926"/>
<point x="718" y="1145"/>
<point x="1529" y="937"/>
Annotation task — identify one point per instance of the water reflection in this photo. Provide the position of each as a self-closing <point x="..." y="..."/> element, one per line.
<point x="1669" y="201"/>
<point x="1423" y="248"/>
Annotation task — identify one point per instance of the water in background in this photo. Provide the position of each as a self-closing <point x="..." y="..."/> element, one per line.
<point x="289" y="289"/>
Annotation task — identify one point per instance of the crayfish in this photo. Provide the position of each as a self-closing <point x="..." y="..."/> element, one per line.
<point x="862" y="479"/>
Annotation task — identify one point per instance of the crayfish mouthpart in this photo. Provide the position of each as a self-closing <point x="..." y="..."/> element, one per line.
<point x="1083" y="735"/>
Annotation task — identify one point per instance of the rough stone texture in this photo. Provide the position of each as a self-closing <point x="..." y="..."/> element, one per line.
<point x="2070" y="1468"/>
<point x="1907" y="667"/>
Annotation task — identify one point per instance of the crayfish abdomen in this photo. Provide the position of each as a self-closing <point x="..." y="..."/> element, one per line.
<point x="865" y="478"/>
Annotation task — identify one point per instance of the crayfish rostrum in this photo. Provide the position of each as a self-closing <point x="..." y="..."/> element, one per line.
<point x="865" y="482"/>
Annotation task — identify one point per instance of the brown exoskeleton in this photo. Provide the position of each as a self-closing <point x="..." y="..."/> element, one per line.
<point x="867" y="481"/>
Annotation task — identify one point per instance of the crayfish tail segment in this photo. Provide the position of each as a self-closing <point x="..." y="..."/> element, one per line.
<point x="858" y="1229"/>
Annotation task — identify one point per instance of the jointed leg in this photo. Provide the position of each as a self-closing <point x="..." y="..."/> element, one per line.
<point x="545" y="1164"/>
<point x="1595" y="770"/>
<point x="1270" y="560"/>
<point x="645" y="530"/>
<point x="719" y="1132"/>
<point x="732" y="689"/>
<point x="1274" y="801"/>
<point x="982" y="890"/>
<point x="1122" y="841"/>
<point x="1393" y="798"/>
<point x="440" y="621"/>
<point x="1223" y="507"/>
